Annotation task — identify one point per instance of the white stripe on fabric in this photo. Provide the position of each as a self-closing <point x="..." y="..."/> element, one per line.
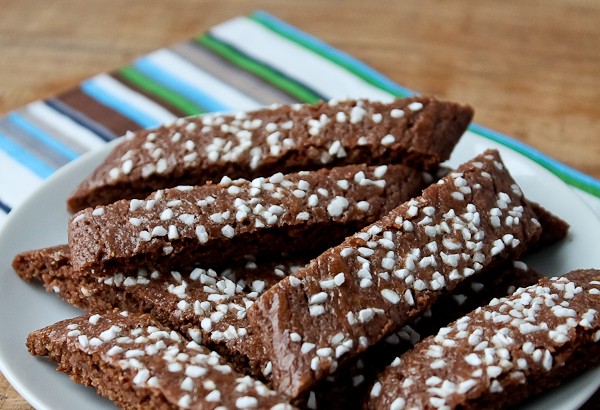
<point x="64" y="125"/>
<point x="112" y="87"/>
<point x="310" y="69"/>
<point x="16" y="180"/>
<point x="3" y="217"/>
<point x="201" y="80"/>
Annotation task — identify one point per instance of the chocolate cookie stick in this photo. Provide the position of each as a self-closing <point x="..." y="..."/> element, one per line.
<point x="381" y="278"/>
<point x="220" y="223"/>
<point x="420" y="132"/>
<point x="502" y="353"/>
<point x="137" y="363"/>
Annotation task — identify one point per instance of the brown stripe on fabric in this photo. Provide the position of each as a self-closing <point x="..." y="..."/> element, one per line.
<point x="165" y="104"/>
<point x="109" y="118"/>
<point x="249" y="84"/>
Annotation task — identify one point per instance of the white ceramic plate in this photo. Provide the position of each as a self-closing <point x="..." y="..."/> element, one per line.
<point x="41" y="221"/>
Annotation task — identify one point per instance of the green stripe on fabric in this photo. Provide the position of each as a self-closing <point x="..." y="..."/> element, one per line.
<point x="302" y="42"/>
<point x="286" y="84"/>
<point x="573" y="181"/>
<point x="147" y="84"/>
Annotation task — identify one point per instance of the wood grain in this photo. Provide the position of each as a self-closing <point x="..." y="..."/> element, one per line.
<point x="530" y="69"/>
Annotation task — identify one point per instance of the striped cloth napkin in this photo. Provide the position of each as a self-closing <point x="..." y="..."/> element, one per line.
<point x="242" y="64"/>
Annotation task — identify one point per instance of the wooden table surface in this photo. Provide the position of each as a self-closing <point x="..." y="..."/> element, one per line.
<point x="530" y="69"/>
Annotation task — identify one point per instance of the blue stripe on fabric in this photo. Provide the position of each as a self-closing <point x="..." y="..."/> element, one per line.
<point x="81" y="119"/>
<point x="102" y="96"/>
<point x="36" y="165"/>
<point x="388" y="85"/>
<point x="4" y="207"/>
<point x="42" y="136"/>
<point x="179" y="85"/>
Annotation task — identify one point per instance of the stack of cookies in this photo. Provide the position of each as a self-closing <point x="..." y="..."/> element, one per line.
<point x="299" y="256"/>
